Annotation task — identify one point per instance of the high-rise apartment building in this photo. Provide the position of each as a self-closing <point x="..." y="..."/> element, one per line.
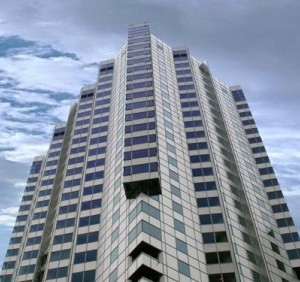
<point x="159" y="174"/>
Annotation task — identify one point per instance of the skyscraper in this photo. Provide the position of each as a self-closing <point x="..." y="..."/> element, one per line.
<point x="159" y="174"/>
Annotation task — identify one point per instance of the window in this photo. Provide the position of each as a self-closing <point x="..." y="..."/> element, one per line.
<point x="270" y="182"/>
<point x="65" y="238"/>
<point x="202" y="171"/>
<point x="184" y="268"/>
<point x="177" y="207"/>
<point x="68" y="209"/>
<point x="144" y="153"/>
<point x="12" y="252"/>
<point x="60" y="255"/>
<point x="178" y="225"/>
<point x="89" y="220"/>
<point x="205" y="186"/>
<point x="92" y="204"/>
<point x="280" y="265"/>
<point x="293" y="254"/>
<point x="181" y="246"/>
<point x="39" y="215"/>
<point x="8" y="265"/>
<point x="283" y="222"/>
<point x="33" y="241"/>
<point x="145" y="227"/>
<point x="142" y="168"/>
<point x="139" y="127"/>
<point x="26" y="269"/>
<point x="72" y="183"/>
<point x="46" y="192"/>
<point x="218" y="257"/>
<point x="93" y="189"/>
<point x="87" y="238"/>
<point x="94" y="175"/>
<point x="95" y="163"/>
<point x="21" y="218"/>
<point x="69" y="195"/>
<point x="213" y="218"/>
<point x="41" y="204"/>
<point x="15" y="240"/>
<point x="223" y="277"/>
<point x="280" y="208"/>
<point x="141" y="115"/>
<point x="65" y="223"/>
<point x="197" y="146"/>
<point x="30" y="254"/>
<point x="114" y="255"/>
<point x="214" y="237"/>
<point x="200" y="158"/>
<point x="193" y="123"/>
<point x="57" y="273"/>
<point x="36" y="227"/>
<point x="290" y="237"/>
<point x="85" y="276"/>
<point x="146" y="208"/>
<point x="275" y="195"/>
<point x="87" y="256"/>
<point x="262" y="160"/>
<point x="97" y="151"/>
<point x="140" y="140"/>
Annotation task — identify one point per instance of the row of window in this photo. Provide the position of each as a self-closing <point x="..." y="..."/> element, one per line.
<point x="144" y="153"/>
<point x="142" y="104"/>
<point x="139" y="127"/>
<point x="142" y="168"/>
<point x="146" y="208"/>
<point x="141" y="115"/>
<point x="140" y="140"/>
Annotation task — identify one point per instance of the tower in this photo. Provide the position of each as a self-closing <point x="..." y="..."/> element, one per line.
<point x="159" y="174"/>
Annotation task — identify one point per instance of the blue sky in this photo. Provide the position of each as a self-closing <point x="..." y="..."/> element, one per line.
<point x="49" y="50"/>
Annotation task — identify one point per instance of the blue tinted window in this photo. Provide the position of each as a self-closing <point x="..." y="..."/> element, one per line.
<point x="98" y="140"/>
<point x="99" y="129"/>
<point x="101" y="111"/>
<point x="47" y="182"/>
<point x="73" y="171"/>
<point x="140" y="140"/>
<point x="270" y="182"/>
<point x="189" y="104"/>
<point x="95" y="163"/>
<point x="139" y="61"/>
<point x="76" y="160"/>
<point x="46" y="192"/>
<point x="254" y="140"/>
<point x="36" y="227"/>
<point x="142" y="168"/>
<point x="93" y="189"/>
<point x="197" y="146"/>
<point x="262" y="160"/>
<point x="94" y="175"/>
<point x="261" y="149"/>
<point x="238" y="95"/>
<point x="202" y="171"/>
<point x="248" y="122"/>
<point x="275" y="195"/>
<point x="141" y="115"/>
<point x="69" y="195"/>
<point x="208" y="202"/>
<point x="87" y="238"/>
<point x="87" y="256"/>
<point x="140" y="94"/>
<point x="191" y="114"/>
<point x="141" y="104"/>
<point x="89" y="220"/>
<point x="65" y="223"/>
<point x="57" y="273"/>
<point x="211" y="218"/>
<point x="26" y="269"/>
<point x="266" y="170"/>
<point x="43" y="203"/>
<point x="85" y="276"/>
<point x="193" y="123"/>
<point x="138" y="85"/>
<point x="33" y="241"/>
<point x="100" y="119"/>
<point x="140" y="154"/>
<point x="68" y="209"/>
<point x="195" y="134"/>
<point x="200" y="158"/>
<point x="139" y="127"/>
<point x="77" y="150"/>
<point x="96" y="151"/>
<point x="92" y="204"/>
<point x="65" y="238"/>
<point x="283" y="222"/>
<point x="280" y="208"/>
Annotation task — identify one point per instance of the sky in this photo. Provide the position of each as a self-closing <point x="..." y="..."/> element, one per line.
<point x="50" y="49"/>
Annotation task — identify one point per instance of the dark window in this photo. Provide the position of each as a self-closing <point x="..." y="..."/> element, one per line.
<point x="280" y="208"/>
<point x="65" y="238"/>
<point x="193" y="123"/>
<point x="197" y="146"/>
<point x="139" y="127"/>
<point x="12" y="252"/>
<point x="43" y="203"/>
<point x="205" y="186"/>
<point x="293" y="254"/>
<point x="57" y="273"/>
<point x="8" y="265"/>
<point x="290" y="237"/>
<point x="76" y="160"/>
<point x="65" y="223"/>
<point x="262" y="160"/>
<point x="255" y="140"/>
<point x="60" y="255"/>
<point x="36" y="227"/>
<point x="85" y="276"/>
<point x="283" y="222"/>
<point x="214" y="237"/>
<point x="96" y="151"/>
<point x="68" y="209"/>
<point x="26" y="269"/>
<point x="191" y="114"/>
<point x="69" y="195"/>
<point x="140" y="140"/>
<point x="30" y="254"/>
<point x="142" y="168"/>
<point x="202" y="171"/>
<point x="87" y="238"/>
<point x="270" y="182"/>
<point x="94" y="175"/>
<point x="89" y="220"/>
<point x="141" y="115"/>
<point x="140" y="154"/>
<point x="33" y="241"/>
<point x="208" y="202"/>
<point x="275" y="195"/>
<point x="15" y="240"/>
<point x="213" y="218"/>
<point x="195" y="134"/>
<point x="46" y="192"/>
<point x="92" y="204"/>
<point x="95" y="163"/>
<point x="266" y="170"/>
<point x="261" y="149"/>
<point x="218" y="257"/>
<point x="87" y="256"/>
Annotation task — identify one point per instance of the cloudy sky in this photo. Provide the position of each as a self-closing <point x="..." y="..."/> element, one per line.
<point x="49" y="49"/>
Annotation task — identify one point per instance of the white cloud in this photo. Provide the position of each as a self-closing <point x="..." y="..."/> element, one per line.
<point x="8" y="216"/>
